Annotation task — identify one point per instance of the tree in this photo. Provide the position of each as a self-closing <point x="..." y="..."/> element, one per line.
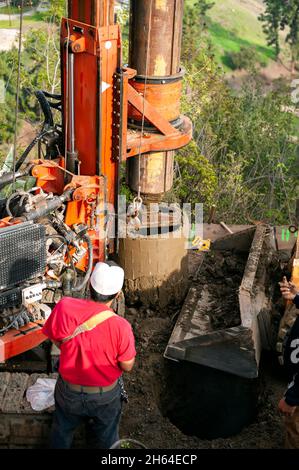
<point x="56" y="11"/>
<point x="40" y="70"/>
<point x="290" y="19"/>
<point x="280" y="16"/>
<point x="6" y="109"/>
<point x="272" y="20"/>
<point x="246" y="58"/>
<point x="18" y="3"/>
<point x="195" y="27"/>
<point x="243" y="158"/>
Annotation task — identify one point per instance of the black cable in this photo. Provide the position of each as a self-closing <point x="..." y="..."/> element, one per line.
<point x="8" y="178"/>
<point x="24" y="155"/>
<point x="12" y="323"/>
<point x="21" y="195"/>
<point x="46" y="109"/>
<point x="82" y="284"/>
<point x="13" y="196"/>
<point x="48" y="123"/>
<point x="61" y="237"/>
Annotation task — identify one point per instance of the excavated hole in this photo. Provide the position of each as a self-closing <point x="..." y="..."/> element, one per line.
<point x="208" y="403"/>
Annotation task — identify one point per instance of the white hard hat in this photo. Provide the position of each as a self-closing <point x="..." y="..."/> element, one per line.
<point x="107" y="280"/>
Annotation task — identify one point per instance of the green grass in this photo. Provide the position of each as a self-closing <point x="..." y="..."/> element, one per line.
<point x="13" y="10"/>
<point x="234" y="24"/>
<point x="225" y="42"/>
<point x="27" y="20"/>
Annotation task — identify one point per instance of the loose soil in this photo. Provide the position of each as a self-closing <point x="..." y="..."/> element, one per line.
<point x="220" y="277"/>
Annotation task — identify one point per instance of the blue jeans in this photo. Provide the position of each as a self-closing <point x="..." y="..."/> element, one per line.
<point x="99" y="411"/>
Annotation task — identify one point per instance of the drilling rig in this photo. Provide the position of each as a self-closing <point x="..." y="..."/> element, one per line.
<point x="52" y="235"/>
<point x="110" y="115"/>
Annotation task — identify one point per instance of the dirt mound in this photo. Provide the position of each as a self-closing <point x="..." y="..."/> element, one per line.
<point x="219" y="278"/>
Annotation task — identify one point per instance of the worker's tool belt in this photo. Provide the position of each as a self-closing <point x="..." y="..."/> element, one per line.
<point x="86" y="389"/>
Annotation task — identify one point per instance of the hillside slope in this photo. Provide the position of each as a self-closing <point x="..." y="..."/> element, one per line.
<point x="235" y="23"/>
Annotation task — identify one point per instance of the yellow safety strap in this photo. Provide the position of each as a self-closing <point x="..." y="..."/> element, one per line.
<point x="90" y="324"/>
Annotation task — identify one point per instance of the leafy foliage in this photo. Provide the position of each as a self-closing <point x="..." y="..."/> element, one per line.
<point x="123" y="15"/>
<point x="39" y="70"/>
<point x="282" y="16"/>
<point x="247" y="58"/>
<point x="272" y="19"/>
<point x="7" y="68"/>
<point x="243" y="157"/>
<point x="196" y="180"/>
<point x="195" y="28"/>
<point x="18" y="3"/>
<point x="56" y="11"/>
<point x="247" y="140"/>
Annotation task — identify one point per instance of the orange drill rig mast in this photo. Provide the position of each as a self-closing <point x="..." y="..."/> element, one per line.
<point x="51" y="236"/>
<point x="91" y="56"/>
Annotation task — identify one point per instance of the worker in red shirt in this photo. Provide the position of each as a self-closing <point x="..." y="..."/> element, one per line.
<point x="96" y="346"/>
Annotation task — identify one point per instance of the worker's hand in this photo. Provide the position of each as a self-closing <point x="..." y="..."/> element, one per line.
<point x="285" y="408"/>
<point x="288" y="289"/>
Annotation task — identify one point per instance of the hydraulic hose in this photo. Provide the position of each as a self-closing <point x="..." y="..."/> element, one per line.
<point x="7" y="327"/>
<point x="82" y="284"/>
<point x="46" y="108"/>
<point x="49" y="206"/>
<point x="8" y="178"/>
<point x="48" y="124"/>
<point x="24" y="155"/>
<point x="63" y="239"/>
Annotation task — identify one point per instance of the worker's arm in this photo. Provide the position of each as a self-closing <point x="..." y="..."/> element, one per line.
<point x="126" y="349"/>
<point x="127" y="366"/>
<point x="285" y="408"/>
<point x="292" y="394"/>
<point x="289" y="291"/>
<point x="290" y="400"/>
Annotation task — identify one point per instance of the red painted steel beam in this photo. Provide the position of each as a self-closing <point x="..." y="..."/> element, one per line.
<point x="16" y="342"/>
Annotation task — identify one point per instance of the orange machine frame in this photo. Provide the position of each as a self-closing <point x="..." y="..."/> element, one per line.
<point x="103" y="91"/>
